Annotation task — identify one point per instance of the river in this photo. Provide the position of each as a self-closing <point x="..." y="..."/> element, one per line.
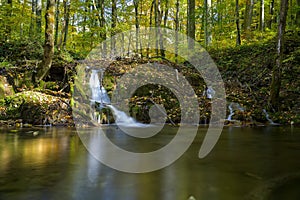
<point x="246" y="163"/>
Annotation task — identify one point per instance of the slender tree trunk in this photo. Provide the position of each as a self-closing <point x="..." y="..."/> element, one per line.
<point x="277" y="69"/>
<point x="45" y="65"/>
<point x="150" y="25"/>
<point x="237" y="21"/>
<point x="176" y="30"/>
<point x="191" y="24"/>
<point x="207" y="23"/>
<point x="137" y="25"/>
<point x="159" y="34"/>
<point x="248" y="16"/>
<point x="22" y="14"/>
<point x="262" y="16"/>
<point x="271" y="12"/>
<point x="220" y="13"/>
<point x="298" y="14"/>
<point x="67" y="20"/>
<point x="32" y="17"/>
<point x="166" y="13"/>
<point x="39" y="18"/>
<point x="113" y="24"/>
<point x="102" y="25"/>
<point x="56" y="22"/>
<point x="157" y="25"/>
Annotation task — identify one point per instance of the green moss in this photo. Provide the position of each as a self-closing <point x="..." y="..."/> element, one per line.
<point x="2" y="93"/>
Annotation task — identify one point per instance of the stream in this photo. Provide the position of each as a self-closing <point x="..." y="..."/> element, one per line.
<point x="246" y="163"/>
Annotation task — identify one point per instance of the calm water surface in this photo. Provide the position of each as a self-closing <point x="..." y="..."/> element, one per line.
<point x="246" y="163"/>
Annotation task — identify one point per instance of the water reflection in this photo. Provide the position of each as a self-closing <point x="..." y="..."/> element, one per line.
<point x="55" y="165"/>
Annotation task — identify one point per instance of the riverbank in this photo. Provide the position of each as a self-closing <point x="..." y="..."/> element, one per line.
<point x="246" y="72"/>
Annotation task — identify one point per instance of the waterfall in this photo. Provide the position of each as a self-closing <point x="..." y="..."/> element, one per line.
<point x="268" y="118"/>
<point x="233" y="107"/>
<point x="99" y="94"/>
<point x="122" y="118"/>
<point x="231" y="112"/>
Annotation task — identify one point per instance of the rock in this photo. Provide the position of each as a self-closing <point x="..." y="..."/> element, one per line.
<point x="36" y="108"/>
<point x="5" y="88"/>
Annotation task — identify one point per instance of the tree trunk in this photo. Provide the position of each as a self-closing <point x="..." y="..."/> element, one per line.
<point x="56" y="22"/>
<point x="22" y="14"/>
<point x="102" y="25"/>
<point x="276" y="74"/>
<point x="191" y="24"/>
<point x="176" y="30"/>
<point x="248" y="16"/>
<point x="298" y="14"/>
<point x="237" y="21"/>
<point x="262" y="16"/>
<point x="207" y="23"/>
<point x="150" y="26"/>
<point x="166" y="13"/>
<point x="67" y="19"/>
<point x="32" y="17"/>
<point x="271" y="12"/>
<point x="113" y="24"/>
<point x="45" y="65"/>
<point x="39" y="18"/>
<point x="137" y="25"/>
<point x="157" y="16"/>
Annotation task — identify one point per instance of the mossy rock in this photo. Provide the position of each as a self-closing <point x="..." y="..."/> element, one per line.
<point x="5" y="88"/>
<point x="36" y="108"/>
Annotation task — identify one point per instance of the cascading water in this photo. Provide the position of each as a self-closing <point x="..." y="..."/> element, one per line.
<point x="99" y="93"/>
<point x="231" y="112"/>
<point x="100" y="96"/>
<point x="268" y="118"/>
<point x="121" y="118"/>
<point x="232" y="108"/>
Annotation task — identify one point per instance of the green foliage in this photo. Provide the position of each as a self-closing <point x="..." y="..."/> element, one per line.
<point x="19" y="50"/>
<point x="5" y="64"/>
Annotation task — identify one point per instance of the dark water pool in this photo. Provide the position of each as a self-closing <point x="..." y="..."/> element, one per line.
<point x="246" y="163"/>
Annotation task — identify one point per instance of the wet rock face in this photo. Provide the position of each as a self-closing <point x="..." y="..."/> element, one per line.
<point x="5" y="88"/>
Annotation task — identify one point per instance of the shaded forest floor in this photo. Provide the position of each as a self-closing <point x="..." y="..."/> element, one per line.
<point x="246" y="72"/>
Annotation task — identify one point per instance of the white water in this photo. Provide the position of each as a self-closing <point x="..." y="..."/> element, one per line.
<point x="233" y="107"/>
<point x="231" y="112"/>
<point x="121" y="118"/>
<point x="268" y="118"/>
<point x="99" y="94"/>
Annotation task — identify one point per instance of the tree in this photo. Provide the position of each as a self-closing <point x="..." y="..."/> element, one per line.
<point x="271" y="12"/>
<point x="45" y="65"/>
<point x="207" y="22"/>
<point x="248" y="16"/>
<point x="176" y="29"/>
<point x="56" y="22"/>
<point x="298" y="13"/>
<point x="237" y="21"/>
<point x="113" y="23"/>
<point x="191" y="23"/>
<point x="66" y="21"/>
<point x="38" y="18"/>
<point x="137" y="24"/>
<point x="262" y="16"/>
<point x="276" y="74"/>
